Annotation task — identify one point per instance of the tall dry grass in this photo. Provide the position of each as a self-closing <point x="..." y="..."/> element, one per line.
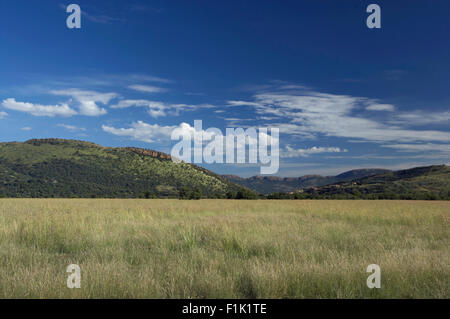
<point x="223" y="248"/>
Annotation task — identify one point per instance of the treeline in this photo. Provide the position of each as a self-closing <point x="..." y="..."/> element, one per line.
<point x="196" y="193"/>
<point x="386" y="195"/>
<point x="248" y="194"/>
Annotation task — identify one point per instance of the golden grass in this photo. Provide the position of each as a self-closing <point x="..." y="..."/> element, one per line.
<point x="223" y="248"/>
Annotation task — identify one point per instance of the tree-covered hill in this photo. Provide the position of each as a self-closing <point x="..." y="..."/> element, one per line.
<point x="429" y="182"/>
<point x="68" y="168"/>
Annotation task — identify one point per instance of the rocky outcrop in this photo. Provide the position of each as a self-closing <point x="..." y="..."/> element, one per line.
<point x="147" y="152"/>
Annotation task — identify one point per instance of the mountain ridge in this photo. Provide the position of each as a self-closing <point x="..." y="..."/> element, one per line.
<point x="273" y="184"/>
<point x="72" y="168"/>
<point x="425" y="182"/>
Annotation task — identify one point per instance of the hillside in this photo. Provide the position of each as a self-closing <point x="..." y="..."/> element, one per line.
<point x="68" y="168"/>
<point x="273" y="184"/>
<point x="429" y="182"/>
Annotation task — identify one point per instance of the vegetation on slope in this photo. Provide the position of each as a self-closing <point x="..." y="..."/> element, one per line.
<point x="273" y="184"/>
<point x="429" y="182"/>
<point x="67" y="168"/>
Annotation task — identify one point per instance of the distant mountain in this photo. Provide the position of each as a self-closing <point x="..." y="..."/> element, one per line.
<point x="68" y="168"/>
<point x="428" y="182"/>
<point x="273" y="184"/>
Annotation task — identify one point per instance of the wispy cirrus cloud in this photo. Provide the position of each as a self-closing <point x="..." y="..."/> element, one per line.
<point x="3" y="115"/>
<point x="72" y="128"/>
<point x="381" y="107"/>
<point x="417" y="118"/>
<point x="148" y="78"/>
<point x="445" y="148"/>
<point x="290" y="152"/>
<point x="243" y="103"/>
<point x="89" y="81"/>
<point x="157" y="109"/>
<point x="100" y="18"/>
<point x="315" y="114"/>
<point x="147" y="88"/>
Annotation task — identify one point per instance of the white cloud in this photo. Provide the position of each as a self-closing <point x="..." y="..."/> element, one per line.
<point x="148" y="78"/>
<point x="26" y="128"/>
<point x="147" y="88"/>
<point x="314" y="114"/>
<point x="420" y="147"/>
<point x="37" y="109"/>
<point x="381" y="107"/>
<point x="293" y="87"/>
<point x="242" y="103"/>
<point x="3" y="115"/>
<point x="156" y="109"/>
<point x="142" y="131"/>
<point x="304" y="152"/>
<point x="87" y="100"/>
<point x="72" y="128"/>
<point x="100" y="18"/>
<point x="422" y="118"/>
<point x="150" y="133"/>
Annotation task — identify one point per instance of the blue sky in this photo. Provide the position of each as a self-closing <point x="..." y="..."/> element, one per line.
<point x="344" y="96"/>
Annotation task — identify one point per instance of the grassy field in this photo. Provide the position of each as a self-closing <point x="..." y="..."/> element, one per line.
<point x="223" y="248"/>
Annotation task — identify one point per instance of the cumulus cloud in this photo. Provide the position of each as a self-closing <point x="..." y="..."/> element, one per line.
<point x="38" y="109"/>
<point x="142" y="131"/>
<point x="150" y="133"/>
<point x="290" y="152"/>
<point x="147" y="88"/>
<point x="87" y="100"/>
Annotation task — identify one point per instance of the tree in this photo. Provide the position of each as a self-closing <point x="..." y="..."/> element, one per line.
<point x="244" y="193"/>
<point x="196" y="194"/>
<point x="231" y="195"/>
<point x="184" y="193"/>
<point x="149" y="195"/>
